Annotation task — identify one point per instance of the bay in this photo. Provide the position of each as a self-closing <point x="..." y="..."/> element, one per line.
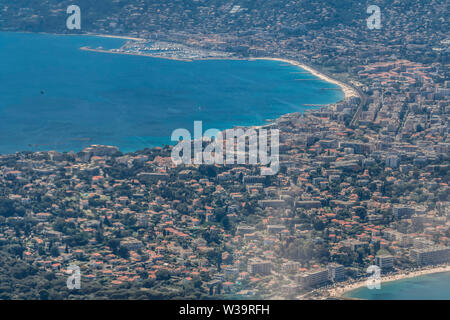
<point x="54" y="96"/>
<point x="435" y="286"/>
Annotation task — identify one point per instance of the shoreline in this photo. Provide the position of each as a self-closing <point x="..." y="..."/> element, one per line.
<point x="132" y="54"/>
<point x="114" y="37"/>
<point x="339" y="292"/>
<point x="344" y="87"/>
<point x="348" y="91"/>
<point x="80" y="34"/>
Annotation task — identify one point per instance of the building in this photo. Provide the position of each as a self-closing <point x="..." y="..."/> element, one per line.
<point x="313" y="278"/>
<point x="143" y="219"/>
<point x="272" y="203"/>
<point x="354" y="244"/>
<point x="274" y="229"/>
<point x="336" y="272"/>
<point x="150" y="177"/>
<point x="385" y="262"/>
<point x="242" y="230"/>
<point x="403" y="212"/>
<point x="392" y="161"/>
<point x="421" y="243"/>
<point x="290" y="267"/>
<point x="251" y="236"/>
<point x="253" y="179"/>
<point x="308" y="204"/>
<point x="131" y="244"/>
<point x="432" y="255"/>
<point x="259" y="267"/>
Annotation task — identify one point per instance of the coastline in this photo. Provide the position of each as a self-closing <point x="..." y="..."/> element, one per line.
<point x="340" y="291"/>
<point x="132" y="54"/>
<point x="114" y="37"/>
<point x="81" y="34"/>
<point x="349" y="92"/>
<point x="346" y="89"/>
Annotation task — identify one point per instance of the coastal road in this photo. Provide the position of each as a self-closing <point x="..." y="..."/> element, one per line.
<point x="362" y="103"/>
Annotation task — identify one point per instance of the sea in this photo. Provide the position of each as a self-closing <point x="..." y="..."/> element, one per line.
<point x="54" y="96"/>
<point x="427" y="287"/>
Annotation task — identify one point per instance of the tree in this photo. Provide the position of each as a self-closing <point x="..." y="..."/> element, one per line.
<point x="6" y="207"/>
<point x="215" y="257"/>
<point x="16" y="249"/>
<point x="208" y="170"/>
<point x="361" y="212"/>
<point x="99" y="237"/>
<point x="123" y="253"/>
<point x="54" y="251"/>
<point x="319" y="225"/>
<point x="113" y="244"/>
<point x="162" y="275"/>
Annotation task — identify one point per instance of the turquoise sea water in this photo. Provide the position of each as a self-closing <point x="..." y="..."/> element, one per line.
<point x="54" y="96"/>
<point x="428" y="287"/>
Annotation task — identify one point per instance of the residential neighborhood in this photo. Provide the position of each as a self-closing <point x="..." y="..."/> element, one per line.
<point x="362" y="182"/>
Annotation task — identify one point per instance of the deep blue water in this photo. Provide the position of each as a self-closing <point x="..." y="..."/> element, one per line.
<point x="428" y="287"/>
<point x="54" y="95"/>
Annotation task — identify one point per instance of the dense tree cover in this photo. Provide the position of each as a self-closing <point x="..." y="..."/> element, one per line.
<point x="9" y="208"/>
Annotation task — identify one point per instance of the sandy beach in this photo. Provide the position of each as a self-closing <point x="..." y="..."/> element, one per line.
<point x="348" y="91"/>
<point x="339" y="291"/>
